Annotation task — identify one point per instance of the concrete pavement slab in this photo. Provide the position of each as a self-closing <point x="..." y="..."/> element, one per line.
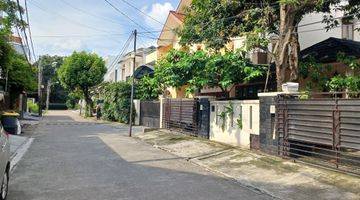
<point x="275" y="176"/>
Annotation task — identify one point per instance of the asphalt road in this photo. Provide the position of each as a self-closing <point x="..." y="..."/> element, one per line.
<point x="80" y="160"/>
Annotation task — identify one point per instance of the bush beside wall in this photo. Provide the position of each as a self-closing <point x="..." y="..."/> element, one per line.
<point x="116" y="105"/>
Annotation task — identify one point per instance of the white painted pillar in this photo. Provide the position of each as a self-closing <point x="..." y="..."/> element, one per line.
<point x="137" y="111"/>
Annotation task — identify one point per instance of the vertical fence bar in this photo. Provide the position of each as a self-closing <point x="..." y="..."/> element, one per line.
<point x="180" y="114"/>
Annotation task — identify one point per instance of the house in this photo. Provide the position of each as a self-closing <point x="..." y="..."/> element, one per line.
<point x="109" y="64"/>
<point x="326" y="53"/>
<point x="169" y="39"/>
<point x="324" y="45"/>
<point x="310" y="33"/>
<point x="121" y="68"/>
<point x="18" y="45"/>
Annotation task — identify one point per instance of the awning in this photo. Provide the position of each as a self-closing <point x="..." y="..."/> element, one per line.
<point x="327" y="50"/>
<point x="143" y="70"/>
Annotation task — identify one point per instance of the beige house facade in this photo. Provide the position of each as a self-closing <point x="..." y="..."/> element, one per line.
<point x="309" y="34"/>
<point x="123" y="68"/>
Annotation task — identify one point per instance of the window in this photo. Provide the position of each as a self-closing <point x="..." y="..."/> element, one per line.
<point x="123" y="74"/>
<point x="347" y="30"/>
<point x="116" y="75"/>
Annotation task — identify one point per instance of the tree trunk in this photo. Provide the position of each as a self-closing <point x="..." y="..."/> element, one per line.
<point x="287" y="48"/>
<point x="294" y="56"/>
<point x="225" y="92"/>
<point x="88" y="101"/>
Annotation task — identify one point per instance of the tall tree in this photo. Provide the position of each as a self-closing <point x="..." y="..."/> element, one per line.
<point x="7" y="53"/>
<point x="50" y="66"/>
<point x="82" y="71"/>
<point x="215" y="22"/>
<point x="22" y="76"/>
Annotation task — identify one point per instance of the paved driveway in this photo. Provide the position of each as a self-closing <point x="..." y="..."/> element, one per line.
<point x="77" y="159"/>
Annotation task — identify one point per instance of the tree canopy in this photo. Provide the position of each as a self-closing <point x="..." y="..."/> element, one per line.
<point x="82" y="71"/>
<point x="215" y="22"/>
<point x="21" y="75"/>
<point x="200" y="69"/>
<point x="50" y="65"/>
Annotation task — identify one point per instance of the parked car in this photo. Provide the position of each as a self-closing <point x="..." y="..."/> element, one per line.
<point x="4" y="163"/>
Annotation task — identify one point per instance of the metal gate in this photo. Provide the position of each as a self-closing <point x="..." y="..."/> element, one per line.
<point x="190" y="116"/>
<point x="150" y="114"/>
<point x="320" y="131"/>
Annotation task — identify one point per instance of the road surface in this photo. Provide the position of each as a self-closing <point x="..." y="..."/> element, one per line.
<point x="76" y="159"/>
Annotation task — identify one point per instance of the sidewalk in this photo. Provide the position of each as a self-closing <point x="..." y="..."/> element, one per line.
<point x="277" y="177"/>
<point x="15" y="143"/>
<point x="29" y="121"/>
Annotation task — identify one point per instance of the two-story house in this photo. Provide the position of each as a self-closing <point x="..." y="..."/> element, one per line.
<point x="313" y="38"/>
<point x="169" y="39"/>
<point x="122" y="69"/>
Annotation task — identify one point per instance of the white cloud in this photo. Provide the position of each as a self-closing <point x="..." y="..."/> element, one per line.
<point x="61" y="20"/>
<point x="159" y="12"/>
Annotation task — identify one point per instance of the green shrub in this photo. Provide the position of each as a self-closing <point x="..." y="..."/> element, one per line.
<point x="116" y="98"/>
<point x="33" y="107"/>
<point x="73" y="99"/>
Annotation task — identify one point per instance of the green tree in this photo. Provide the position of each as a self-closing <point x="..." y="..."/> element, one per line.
<point x="200" y="69"/>
<point x="73" y="98"/>
<point x="50" y="65"/>
<point x="215" y="22"/>
<point x="226" y="70"/>
<point x="172" y="70"/>
<point x="21" y="76"/>
<point x="148" y="88"/>
<point x="11" y="63"/>
<point x="82" y="71"/>
<point x="350" y="82"/>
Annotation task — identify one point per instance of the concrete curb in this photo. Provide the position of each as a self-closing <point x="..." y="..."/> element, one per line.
<point x="19" y="153"/>
<point x="240" y="182"/>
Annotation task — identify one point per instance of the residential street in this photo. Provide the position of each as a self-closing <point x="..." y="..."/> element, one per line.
<point x="72" y="158"/>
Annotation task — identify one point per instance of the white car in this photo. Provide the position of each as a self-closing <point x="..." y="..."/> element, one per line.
<point x="4" y="163"/>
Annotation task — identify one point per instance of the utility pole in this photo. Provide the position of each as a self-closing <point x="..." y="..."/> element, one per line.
<point x="48" y="90"/>
<point x="132" y="85"/>
<point x="40" y="86"/>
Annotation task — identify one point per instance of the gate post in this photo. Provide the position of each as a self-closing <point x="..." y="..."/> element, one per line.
<point x="267" y="134"/>
<point x="204" y="118"/>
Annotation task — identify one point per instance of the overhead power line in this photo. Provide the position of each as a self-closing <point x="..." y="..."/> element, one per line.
<point x="240" y="15"/>
<point x="125" y="15"/>
<point x="22" y="45"/>
<point x="23" y="29"/>
<point x="107" y="19"/>
<point x="66" y="18"/>
<point x="80" y="35"/>
<point x="30" y="34"/>
<point x="142" y="12"/>
<point x="121" y="53"/>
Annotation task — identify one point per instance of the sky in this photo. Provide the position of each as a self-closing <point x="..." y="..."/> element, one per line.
<point x="60" y="27"/>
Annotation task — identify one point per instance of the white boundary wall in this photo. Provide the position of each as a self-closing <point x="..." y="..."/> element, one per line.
<point x="231" y="133"/>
